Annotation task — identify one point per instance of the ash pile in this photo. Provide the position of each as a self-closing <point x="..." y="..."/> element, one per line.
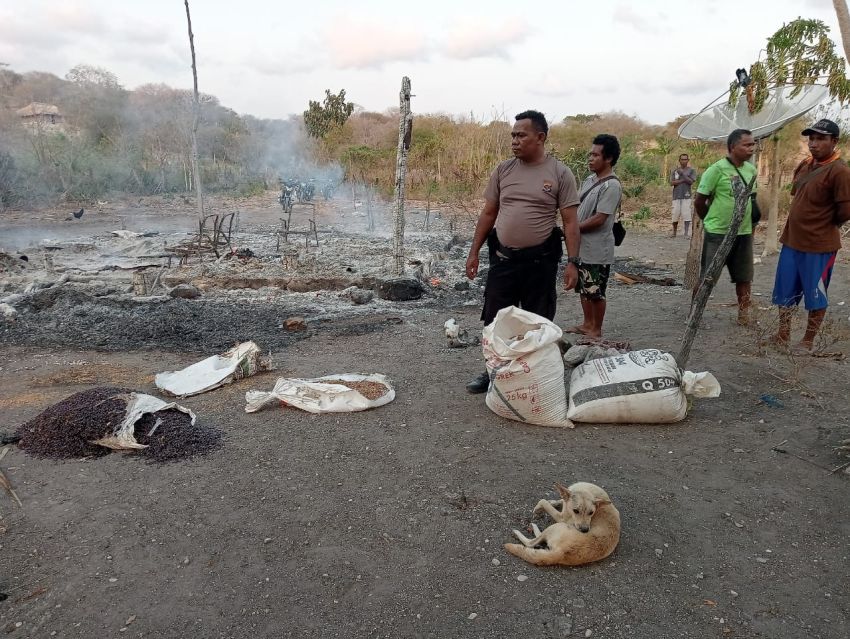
<point x="126" y="290"/>
<point x="340" y="285"/>
<point x="85" y="425"/>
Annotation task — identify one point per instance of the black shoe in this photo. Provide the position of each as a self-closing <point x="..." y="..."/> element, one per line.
<point x="479" y="385"/>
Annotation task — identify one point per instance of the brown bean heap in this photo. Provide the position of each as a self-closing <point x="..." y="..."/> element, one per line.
<point x="369" y="390"/>
<point x="175" y="438"/>
<point x="66" y="430"/>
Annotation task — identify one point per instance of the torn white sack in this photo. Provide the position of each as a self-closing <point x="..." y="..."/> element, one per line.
<point x="243" y="360"/>
<point x="138" y="405"/>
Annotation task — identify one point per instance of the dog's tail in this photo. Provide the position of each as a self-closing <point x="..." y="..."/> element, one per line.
<point x="536" y="556"/>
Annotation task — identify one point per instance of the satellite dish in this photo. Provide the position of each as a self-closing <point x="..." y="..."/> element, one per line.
<point x="716" y="121"/>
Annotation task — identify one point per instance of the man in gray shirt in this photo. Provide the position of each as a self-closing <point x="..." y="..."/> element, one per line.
<point x="599" y="197"/>
<point x="681" y="179"/>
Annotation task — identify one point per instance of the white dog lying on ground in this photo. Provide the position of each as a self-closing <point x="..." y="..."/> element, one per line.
<point x="586" y="529"/>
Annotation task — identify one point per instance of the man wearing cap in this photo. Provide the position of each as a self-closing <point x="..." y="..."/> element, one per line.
<point x="811" y="238"/>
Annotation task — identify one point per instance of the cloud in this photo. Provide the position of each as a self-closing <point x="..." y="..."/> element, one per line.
<point x="15" y="31"/>
<point x="551" y="85"/>
<point x="280" y="65"/>
<point x="355" y="43"/>
<point x="474" y="40"/>
<point x="640" y="21"/>
<point x="71" y="17"/>
<point x="145" y="32"/>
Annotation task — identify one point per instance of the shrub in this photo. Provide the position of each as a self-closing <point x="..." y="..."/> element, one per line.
<point x="643" y="213"/>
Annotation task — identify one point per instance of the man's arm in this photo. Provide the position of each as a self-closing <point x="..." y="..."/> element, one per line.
<point x="705" y="190"/>
<point x="593" y="222"/>
<point x="569" y="217"/>
<point x="701" y="205"/>
<point x="841" y="197"/>
<point x="606" y="205"/>
<point x="842" y="213"/>
<point x="482" y="228"/>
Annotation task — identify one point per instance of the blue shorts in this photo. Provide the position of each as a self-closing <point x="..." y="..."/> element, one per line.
<point x="803" y="275"/>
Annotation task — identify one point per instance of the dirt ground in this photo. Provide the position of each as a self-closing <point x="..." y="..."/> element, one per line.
<point x="390" y="523"/>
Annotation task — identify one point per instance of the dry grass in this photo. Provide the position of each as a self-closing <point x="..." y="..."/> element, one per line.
<point x="93" y="373"/>
<point x="22" y="399"/>
<point x="798" y="372"/>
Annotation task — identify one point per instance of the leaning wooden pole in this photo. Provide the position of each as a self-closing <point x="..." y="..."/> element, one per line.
<point x="405" y="130"/>
<point x="711" y="275"/>
<point x="196" y="112"/>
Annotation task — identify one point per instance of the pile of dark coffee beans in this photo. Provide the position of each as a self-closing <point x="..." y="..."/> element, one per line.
<point x="175" y="437"/>
<point x="66" y="430"/>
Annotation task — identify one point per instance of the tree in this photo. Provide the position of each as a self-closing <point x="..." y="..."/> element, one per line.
<point x="94" y="102"/>
<point x="663" y="147"/>
<point x="319" y="119"/>
<point x="799" y="54"/>
<point x="97" y="76"/>
<point x="843" y="16"/>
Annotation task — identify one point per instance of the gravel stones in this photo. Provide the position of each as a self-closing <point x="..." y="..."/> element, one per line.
<point x="360" y="296"/>
<point x="66" y="429"/>
<point x="400" y="289"/>
<point x="295" y="324"/>
<point x="185" y="291"/>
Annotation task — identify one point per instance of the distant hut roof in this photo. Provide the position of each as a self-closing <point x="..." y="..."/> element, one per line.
<point x="38" y="108"/>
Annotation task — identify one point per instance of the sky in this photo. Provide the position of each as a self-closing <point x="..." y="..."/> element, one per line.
<point x="487" y="60"/>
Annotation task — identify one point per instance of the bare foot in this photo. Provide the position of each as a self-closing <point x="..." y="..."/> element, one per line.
<point x="594" y="334"/>
<point x="743" y="318"/>
<point x="581" y="329"/>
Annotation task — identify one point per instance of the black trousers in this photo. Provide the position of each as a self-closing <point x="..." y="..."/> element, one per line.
<point x="525" y="279"/>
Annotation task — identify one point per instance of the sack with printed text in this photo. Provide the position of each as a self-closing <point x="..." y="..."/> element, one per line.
<point x="639" y="387"/>
<point x="526" y="370"/>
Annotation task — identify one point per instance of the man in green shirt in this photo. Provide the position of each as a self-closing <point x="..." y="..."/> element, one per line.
<point x="715" y="204"/>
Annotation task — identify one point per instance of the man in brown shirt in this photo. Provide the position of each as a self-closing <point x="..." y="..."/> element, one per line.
<point x="522" y="199"/>
<point x="811" y="237"/>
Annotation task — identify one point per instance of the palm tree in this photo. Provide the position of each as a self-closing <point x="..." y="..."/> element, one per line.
<point x="799" y="54"/>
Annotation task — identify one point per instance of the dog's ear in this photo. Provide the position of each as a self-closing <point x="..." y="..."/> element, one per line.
<point x="562" y="490"/>
<point x="601" y="502"/>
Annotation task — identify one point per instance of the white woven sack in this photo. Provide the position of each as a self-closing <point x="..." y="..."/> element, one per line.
<point x="526" y="369"/>
<point x="639" y="387"/>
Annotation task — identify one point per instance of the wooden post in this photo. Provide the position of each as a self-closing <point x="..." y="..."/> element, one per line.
<point x="694" y="258"/>
<point x="196" y="111"/>
<point x="405" y="130"/>
<point x="771" y="244"/>
<point x="711" y="275"/>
